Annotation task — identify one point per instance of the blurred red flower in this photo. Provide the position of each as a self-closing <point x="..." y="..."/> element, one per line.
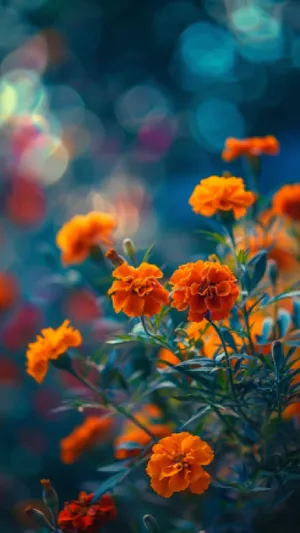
<point x="82" y="516"/>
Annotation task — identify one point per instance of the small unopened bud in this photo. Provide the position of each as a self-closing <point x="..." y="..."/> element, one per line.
<point x="150" y="524"/>
<point x="114" y="257"/>
<point x="38" y="518"/>
<point x="129" y="250"/>
<point x="50" y="497"/>
<point x="272" y="272"/>
<point x="213" y="258"/>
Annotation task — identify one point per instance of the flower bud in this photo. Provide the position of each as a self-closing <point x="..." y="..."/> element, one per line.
<point x="38" y="518"/>
<point x="114" y="257"/>
<point x="129" y="250"/>
<point x="272" y="272"/>
<point x="150" y="524"/>
<point x="50" y="497"/>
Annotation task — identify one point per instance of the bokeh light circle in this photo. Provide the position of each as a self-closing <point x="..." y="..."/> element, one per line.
<point x="215" y="120"/>
<point x="207" y="50"/>
<point x="139" y="103"/>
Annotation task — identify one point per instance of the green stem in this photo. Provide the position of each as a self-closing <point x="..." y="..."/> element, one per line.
<point x="162" y="343"/>
<point x="228" y="365"/>
<point x="115" y="406"/>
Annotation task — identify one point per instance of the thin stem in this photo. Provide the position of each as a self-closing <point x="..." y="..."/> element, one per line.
<point x="158" y="340"/>
<point x="229" y="370"/>
<point x="228" y="365"/>
<point x="115" y="406"/>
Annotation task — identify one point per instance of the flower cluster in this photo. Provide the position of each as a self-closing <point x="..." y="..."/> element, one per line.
<point x="212" y="345"/>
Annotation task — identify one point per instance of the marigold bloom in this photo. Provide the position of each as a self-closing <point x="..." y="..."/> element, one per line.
<point x="137" y="291"/>
<point x="150" y="417"/>
<point x="80" y="234"/>
<point x="9" y="291"/>
<point x="286" y="202"/>
<point x="251" y="147"/>
<point x="176" y="464"/>
<point x="83" y="516"/>
<point x="204" y="286"/>
<point x="50" y="345"/>
<point x="218" y="194"/>
<point x="93" y="430"/>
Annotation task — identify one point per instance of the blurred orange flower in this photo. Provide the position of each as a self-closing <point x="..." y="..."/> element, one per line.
<point x="282" y="247"/>
<point x="176" y="464"/>
<point x="84" y="516"/>
<point x="9" y="291"/>
<point x="150" y="416"/>
<point x="251" y="147"/>
<point x="217" y="194"/>
<point x="169" y="357"/>
<point x="136" y="291"/>
<point x="80" y="234"/>
<point x="202" y="287"/>
<point x="50" y="345"/>
<point x="286" y="202"/>
<point x="84" y="437"/>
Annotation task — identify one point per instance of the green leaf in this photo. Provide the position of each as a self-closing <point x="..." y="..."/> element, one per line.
<point x="278" y="358"/>
<point x="148" y="253"/>
<point x="283" y="321"/>
<point x="255" y="270"/>
<point x="213" y="236"/>
<point x="296" y="312"/>
<point x="114" y="467"/>
<point x="199" y="414"/>
<point x="110" y="483"/>
<point x="282" y="296"/>
<point x="130" y="446"/>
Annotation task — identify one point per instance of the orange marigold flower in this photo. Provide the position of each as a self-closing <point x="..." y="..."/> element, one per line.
<point x="137" y="291"/>
<point x="176" y="464"/>
<point x="84" y="516"/>
<point x="150" y="417"/>
<point x="50" y="345"/>
<point x="217" y="194"/>
<point x="9" y="291"/>
<point x="202" y="287"/>
<point x="80" y="234"/>
<point x="251" y="147"/>
<point x="84" y="437"/>
<point x="286" y="202"/>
